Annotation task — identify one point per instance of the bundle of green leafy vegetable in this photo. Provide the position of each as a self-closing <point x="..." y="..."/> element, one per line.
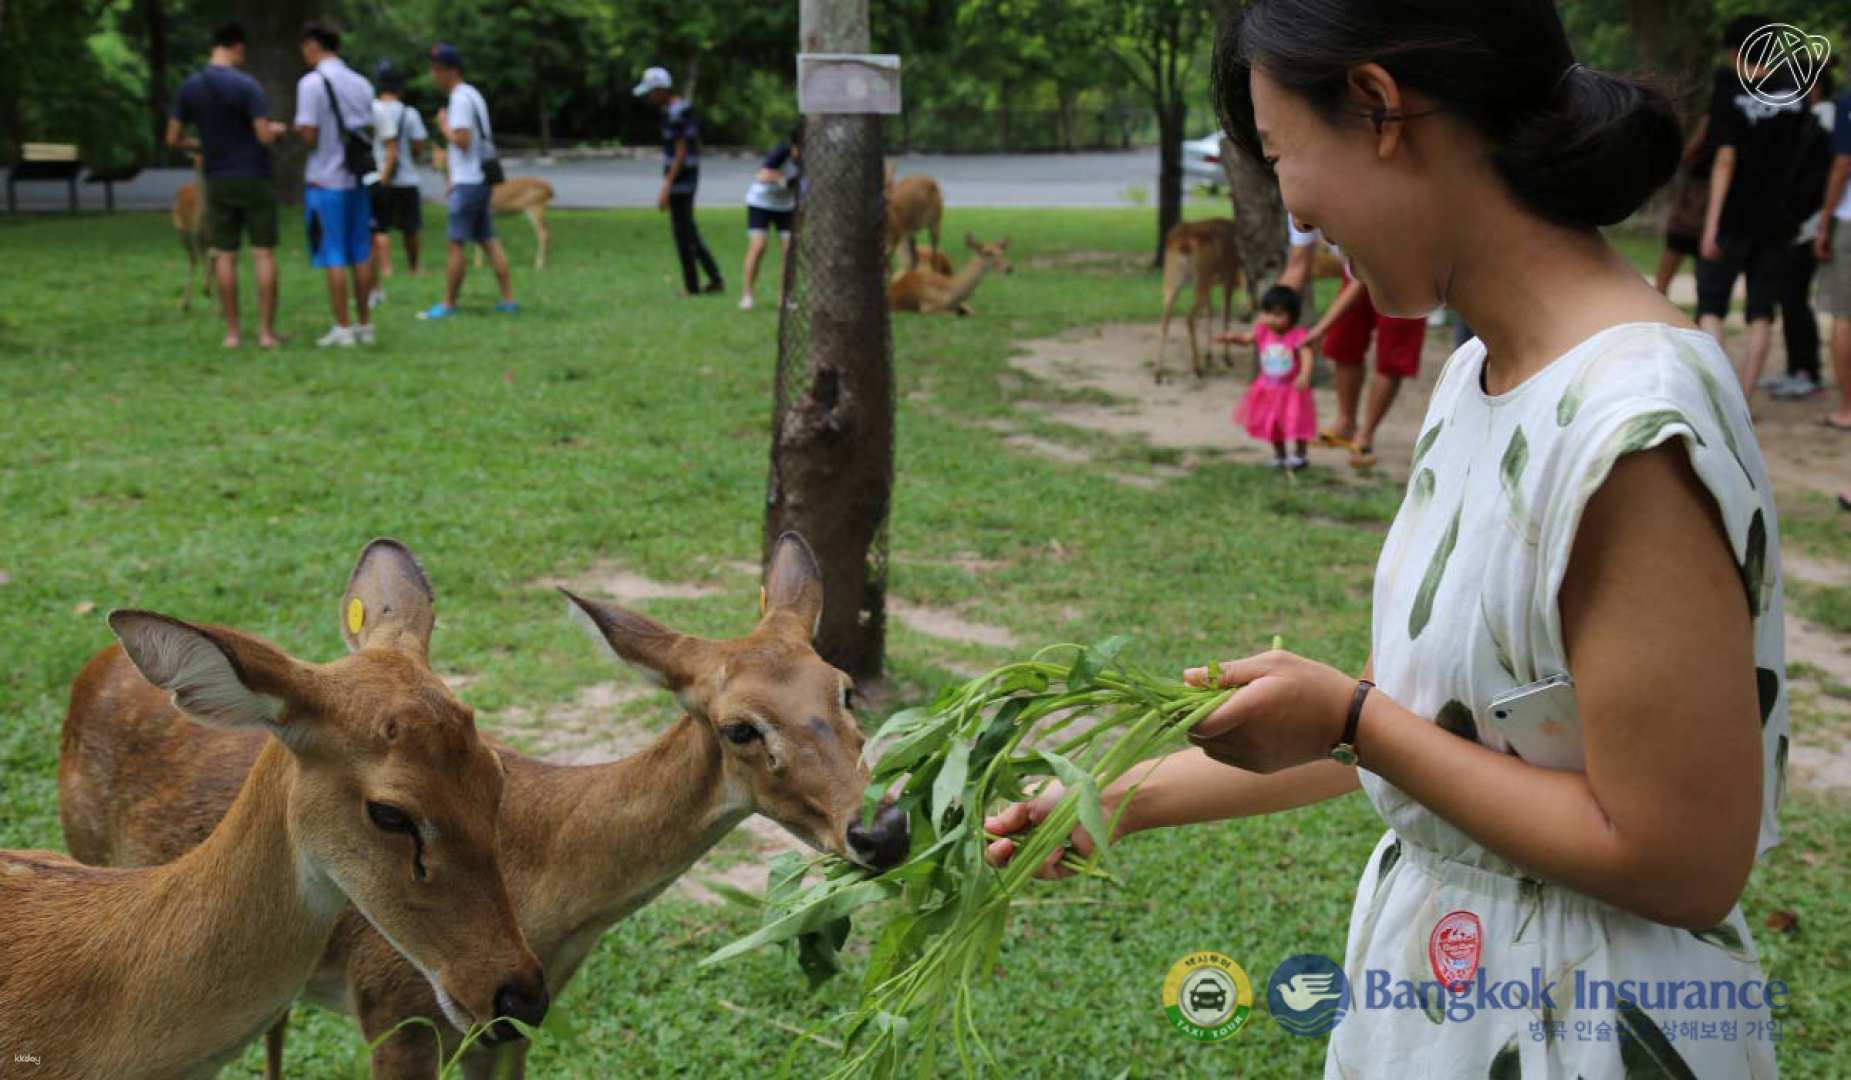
<point x="1076" y="714"/>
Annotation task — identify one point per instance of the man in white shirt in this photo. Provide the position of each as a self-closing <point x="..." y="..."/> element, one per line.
<point x="465" y="123"/>
<point x="398" y="141"/>
<point x="339" y="215"/>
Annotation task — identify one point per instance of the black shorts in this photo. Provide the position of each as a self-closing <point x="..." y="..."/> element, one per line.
<point x="1683" y="243"/>
<point x="760" y="220"/>
<point x="1763" y="262"/>
<point x="400" y="208"/>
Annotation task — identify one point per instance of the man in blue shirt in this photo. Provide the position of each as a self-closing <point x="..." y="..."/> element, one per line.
<point x="681" y="176"/>
<point x="235" y="133"/>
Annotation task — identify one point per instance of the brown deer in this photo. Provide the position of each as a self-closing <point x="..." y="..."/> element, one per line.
<point x="1203" y="252"/>
<point x="931" y="258"/>
<point x="527" y="195"/>
<point x="928" y="293"/>
<point x="767" y="729"/>
<point x="913" y="203"/>
<point x="362" y="779"/>
<point x="189" y="218"/>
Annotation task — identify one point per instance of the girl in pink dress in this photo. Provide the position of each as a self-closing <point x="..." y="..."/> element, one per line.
<point x="1278" y="406"/>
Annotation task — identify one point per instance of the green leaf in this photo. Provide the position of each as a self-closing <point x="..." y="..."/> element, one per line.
<point x="1645" y="1053"/>
<point x="785" y="878"/>
<point x="1390" y="856"/>
<point x="1508" y="1064"/>
<point x="1510" y="477"/>
<point x="1713" y="392"/>
<point x="823" y="909"/>
<point x="1424" y="485"/>
<point x="949" y="785"/>
<point x="818" y="951"/>
<point x="1105" y="653"/>
<point x="1754" y="564"/>
<point x="1498" y="647"/>
<point x="1425" y="444"/>
<point x="1430" y="584"/>
<point x="1080" y="785"/>
<point x="1780" y="772"/>
<point x="734" y="894"/>
<point x="1456" y="718"/>
<point x="1767" y="690"/>
<point x="1637" y="432"/>
<point x="1725" y="937"/>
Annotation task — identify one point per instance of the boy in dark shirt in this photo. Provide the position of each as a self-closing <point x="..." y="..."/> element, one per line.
<point x="681" y="176"/>
<point x="235" y="132"/>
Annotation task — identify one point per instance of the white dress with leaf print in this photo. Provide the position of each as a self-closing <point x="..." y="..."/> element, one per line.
<point x="1465" y="609"/>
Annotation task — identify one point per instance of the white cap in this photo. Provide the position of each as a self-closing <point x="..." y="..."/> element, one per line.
<point x="654" y="79"/>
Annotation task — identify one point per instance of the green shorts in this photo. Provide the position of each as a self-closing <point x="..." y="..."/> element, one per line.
<point x="236" y="205"/>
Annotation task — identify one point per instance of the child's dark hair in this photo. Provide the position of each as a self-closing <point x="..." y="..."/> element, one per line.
<point x="1576" y="146"/>
<point x="1282" y="298"/>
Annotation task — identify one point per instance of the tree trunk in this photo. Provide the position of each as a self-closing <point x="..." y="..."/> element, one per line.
<point x="272" y="57"/>
<point x="156" y="20"/>
<point x="693" y="77"/>
<point x="831" y="476"/>
<point x="1259" y="220"/>
<point x="1169" y="166"/>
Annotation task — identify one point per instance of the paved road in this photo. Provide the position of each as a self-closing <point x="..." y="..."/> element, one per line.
<point x="1072" y="180"/>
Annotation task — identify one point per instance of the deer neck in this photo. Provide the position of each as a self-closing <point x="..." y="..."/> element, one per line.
<point x="964" y="282"/>
<point x="631" y="827"/>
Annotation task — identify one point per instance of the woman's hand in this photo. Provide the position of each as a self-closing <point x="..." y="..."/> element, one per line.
<point x="1290" y="711"/>
<point x="1019" y="817"/>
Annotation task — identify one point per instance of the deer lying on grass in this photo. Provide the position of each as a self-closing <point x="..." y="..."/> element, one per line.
<point x="527" y="195"/>
<point x="767" y="729"/>
<point x="189" y="218"/>
<point x="913" y="203"/>
<point x="928" y="293"/>
<point x="361" y="779"/>
<point x="1203" y="252"/>
<point x="931" y="258"/>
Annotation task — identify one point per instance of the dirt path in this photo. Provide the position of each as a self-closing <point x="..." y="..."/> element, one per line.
<point x="1194" y="416"/>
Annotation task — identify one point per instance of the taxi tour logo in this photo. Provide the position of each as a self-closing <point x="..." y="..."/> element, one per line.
<point x="1779" y="64"/>
<point x="1207" y="997"/>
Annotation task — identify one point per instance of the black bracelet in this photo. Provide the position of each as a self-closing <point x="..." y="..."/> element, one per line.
<point x="1345" y="750"/>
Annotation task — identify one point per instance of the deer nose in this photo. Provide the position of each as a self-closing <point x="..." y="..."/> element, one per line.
<point x="523" y="1000"/>
<point x="883" y="844"/>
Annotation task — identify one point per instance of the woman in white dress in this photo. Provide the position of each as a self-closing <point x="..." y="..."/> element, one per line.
<point x="1577" y="728"/>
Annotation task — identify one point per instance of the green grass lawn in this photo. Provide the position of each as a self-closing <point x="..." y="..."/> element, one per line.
<point x="144" y="466"/>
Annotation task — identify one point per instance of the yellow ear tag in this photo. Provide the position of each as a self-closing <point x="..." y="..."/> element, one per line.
<point x="356" y="615"/>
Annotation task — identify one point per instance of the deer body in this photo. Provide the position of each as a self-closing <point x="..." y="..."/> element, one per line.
<point x="913" y="203"/>
<point x="363" y="779"/>
<point x="1203" y="252"/>
<point x="585" y="846"/>
<point x="528" y="195"/>
<point x="927" y="292"/>
<point x="189" y="218"/>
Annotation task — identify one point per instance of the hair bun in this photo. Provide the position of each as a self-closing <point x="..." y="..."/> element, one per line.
<point x="1596" y="152"/>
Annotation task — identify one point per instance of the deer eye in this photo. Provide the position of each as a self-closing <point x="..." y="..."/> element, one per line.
<point x="739" y="734"/>
<point x="389" y="818"/>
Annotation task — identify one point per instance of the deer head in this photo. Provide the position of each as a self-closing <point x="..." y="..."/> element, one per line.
<point x="778" y="711"/>
<point x="393" y="797"/>
<point x="993" y="255"/>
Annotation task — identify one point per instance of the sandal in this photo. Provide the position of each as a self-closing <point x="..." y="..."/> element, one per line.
<point x="1329" y="438"/>
<point x="1844" y="502"/>
<point x="1362" y="457"/>
<point x="1833" y="424"/>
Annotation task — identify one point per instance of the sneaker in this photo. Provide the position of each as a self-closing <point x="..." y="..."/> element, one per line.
<point x="507" y="307"/>
<point x="1772" y="382"/>
<point x="1281" y="463"/>
<point x="375" y="298"/>
<point x="715" y="286"/>
<point x="1295" y="463"/>
<point x="1363" y="457"/>
<point x="1798" y="386"/>
<point x="340" y="337"/>
<point x="364" y="334"/>
<point x="745" y="302"/>
<point x="437" y="311"/>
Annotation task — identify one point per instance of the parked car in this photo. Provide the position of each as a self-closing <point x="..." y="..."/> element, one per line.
<point x="1202" y="161"/>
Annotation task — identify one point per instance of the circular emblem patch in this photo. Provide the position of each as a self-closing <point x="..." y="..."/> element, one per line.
<point x="1453" y="949"/>
<point x="1308" y="994"/>
<point x="1207" y="996"/>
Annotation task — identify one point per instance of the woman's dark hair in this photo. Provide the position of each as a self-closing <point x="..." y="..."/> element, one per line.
<point x="321" y="34"/>
<point x="1281" y="298"/>
<point x="1577" y="146"/>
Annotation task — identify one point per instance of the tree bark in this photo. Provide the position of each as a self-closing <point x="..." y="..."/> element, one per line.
<point x="156" y="20"/>
<point x="1259" y="220"/>
<point x="1170" y="113"/>
<point x="831" y="474"/>
<point x="272" y="56"/>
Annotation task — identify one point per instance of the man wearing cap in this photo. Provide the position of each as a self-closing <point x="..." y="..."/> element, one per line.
<point x="681" y="176"/>
<point x="339" y="214"/>
<point x="465" y="123"/>
<point x="398" y="139"/>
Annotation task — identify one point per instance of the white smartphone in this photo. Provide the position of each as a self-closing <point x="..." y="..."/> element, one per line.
<point x="1542" y="722"/>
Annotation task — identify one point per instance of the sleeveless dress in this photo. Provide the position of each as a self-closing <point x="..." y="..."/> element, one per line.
<point x="1274" y="409"/>
<point x="1465" y="609"/>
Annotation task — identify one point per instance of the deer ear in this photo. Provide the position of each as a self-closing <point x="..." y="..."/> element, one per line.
<point x="670" y="660"/>
<point x="794" y="584"/>
<point x="388" y="602"/>
<point x="217" y="676"/>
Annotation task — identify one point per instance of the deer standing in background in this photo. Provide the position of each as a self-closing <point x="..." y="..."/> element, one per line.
<point x="913" y="203"/>
<point x="364" y="781"/>
<point x="929" y="293"/>
<point x="1203" y="252"/>
<point x="528" y="195"/>
<point x="767" y="729"/>
<point x="189" y="218"/>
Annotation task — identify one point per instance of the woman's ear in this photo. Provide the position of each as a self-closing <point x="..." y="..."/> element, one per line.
<point x="1375" y="93"/>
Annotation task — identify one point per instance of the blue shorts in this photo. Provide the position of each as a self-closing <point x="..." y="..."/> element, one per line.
<point x="470" y="221"/>
<point x="340" y="226"/>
